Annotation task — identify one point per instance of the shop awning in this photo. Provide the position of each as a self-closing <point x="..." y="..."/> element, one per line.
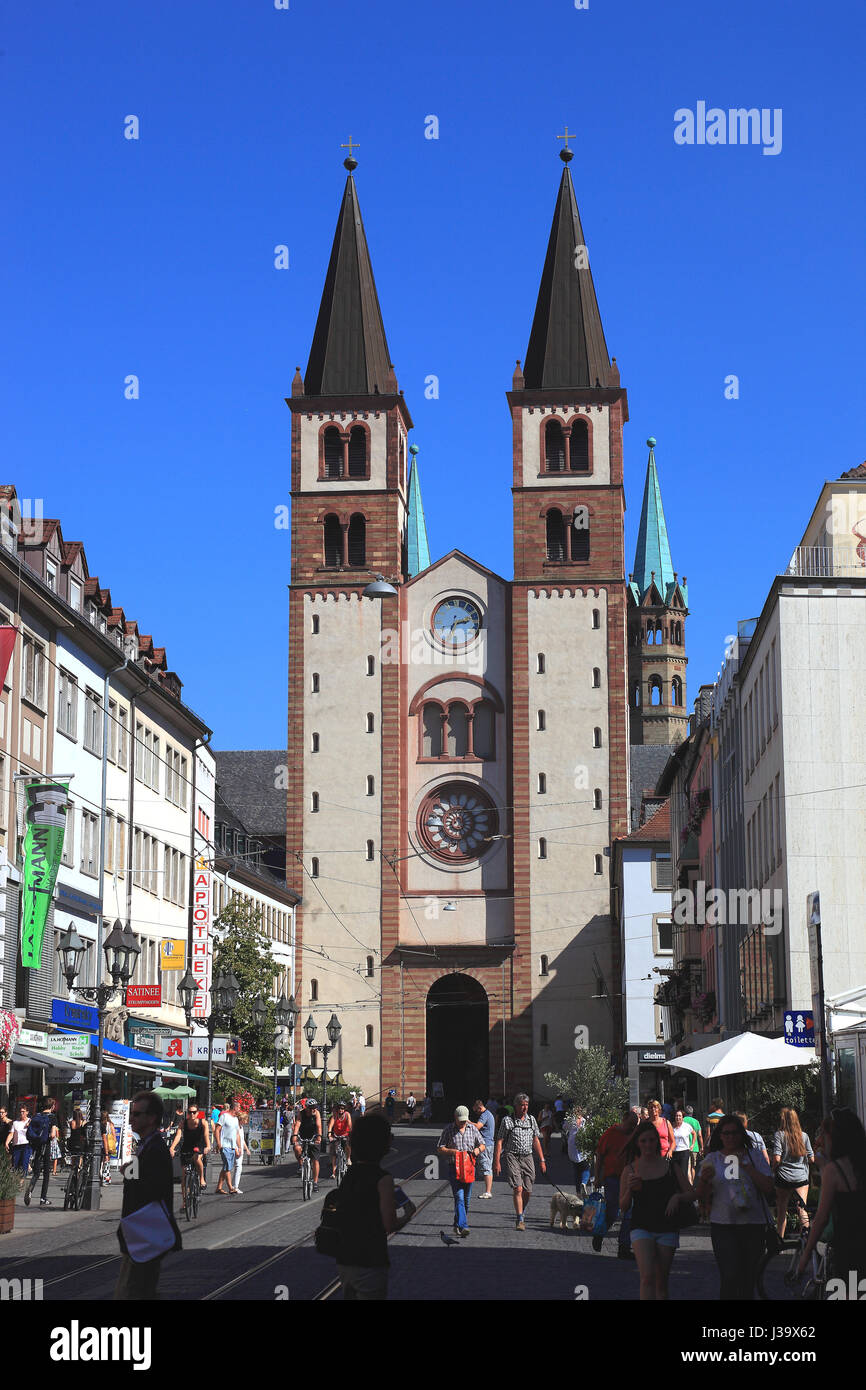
<point x="32" y="1057"/>
<point x="130" y="1058"/>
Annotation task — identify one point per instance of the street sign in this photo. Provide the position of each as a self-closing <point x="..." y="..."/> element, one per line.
<point x="184" y="1048"/>
<point x="800" y="1027"/>
<point x="144" y="996"/>
<point x="813" y="918"/>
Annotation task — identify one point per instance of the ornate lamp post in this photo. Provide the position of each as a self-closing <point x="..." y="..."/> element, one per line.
<point x="225" y="992"/>
<point x="282" y="1016"/>
<point x="121" y="957"/>
<point x="334" y="1030"/>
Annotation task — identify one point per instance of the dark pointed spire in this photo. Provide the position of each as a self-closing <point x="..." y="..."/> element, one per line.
<point x="349" y="355"/>
<point x="566" y="345"/>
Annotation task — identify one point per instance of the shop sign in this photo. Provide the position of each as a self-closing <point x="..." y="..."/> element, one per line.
<point x="70" y="1015"/>
<point x="30" y="1037"/>
<point x="172" y="954"/>
<point x="144" y="996"/>
<point x="69" y="1044"/>
<point x="190" y="1049"/>
<point x="651" y="1056"/>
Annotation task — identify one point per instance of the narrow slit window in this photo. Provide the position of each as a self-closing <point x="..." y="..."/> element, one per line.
<point x="371" y="666"/>
<point x="599" y="864"/>
<point x="596" y="799"/>
<point x="371" y="723"/>
<point x="542" y="783"/>
<point x="539" y="663"/>
<point x="370" y="966"/>
<point x="542" y="966"/>
<point x="371" y="786"/>
<point x="314" y="801"/>
<point x="315" y="743"/>
<point x="314" y="868"/>
<point x="314" y="682"/>
<point x="542" y="848"/>
<point x="314" y="624"/>
<point x="541" y="719"/>
<point x="371" y="850"/>
<point x="596" y="678"/>
<point x="596" y="738"/>
<point x="596" y="618"/>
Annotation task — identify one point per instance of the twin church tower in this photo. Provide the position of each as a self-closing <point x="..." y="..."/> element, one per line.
<point x="459" y="746"/>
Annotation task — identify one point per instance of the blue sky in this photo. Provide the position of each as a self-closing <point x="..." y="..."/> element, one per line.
<point x="156" y="257"/>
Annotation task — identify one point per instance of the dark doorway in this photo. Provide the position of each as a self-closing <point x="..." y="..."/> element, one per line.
<point x="457" y="1043"/>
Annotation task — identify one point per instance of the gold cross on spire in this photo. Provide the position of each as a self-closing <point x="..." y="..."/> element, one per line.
<point x="350" y="146"/>
<point x="565" y="153"/>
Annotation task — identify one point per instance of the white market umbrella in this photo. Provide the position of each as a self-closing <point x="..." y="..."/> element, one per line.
<point x="744" y="1053"/>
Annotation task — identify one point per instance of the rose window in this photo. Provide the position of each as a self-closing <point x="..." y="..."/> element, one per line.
<point x="456" y="822"/>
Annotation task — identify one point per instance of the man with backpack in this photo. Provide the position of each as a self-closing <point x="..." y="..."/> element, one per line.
<point x="40" y="1132"/>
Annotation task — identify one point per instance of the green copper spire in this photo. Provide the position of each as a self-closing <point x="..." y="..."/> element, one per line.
<point x="653" y="554"/>
<point x="417" y="549"/>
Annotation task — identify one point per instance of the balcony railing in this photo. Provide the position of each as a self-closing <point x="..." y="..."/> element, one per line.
<point x="828" y="561"/>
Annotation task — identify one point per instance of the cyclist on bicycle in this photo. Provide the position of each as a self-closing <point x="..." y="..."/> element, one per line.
<point x="308" y="1125"/>
<point x="339" y="1131"/>
<point x="194" y="1141"/>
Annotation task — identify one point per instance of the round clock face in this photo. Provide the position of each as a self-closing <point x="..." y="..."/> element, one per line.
<point x="456" y="822"/>
<point x="456" y="621"/>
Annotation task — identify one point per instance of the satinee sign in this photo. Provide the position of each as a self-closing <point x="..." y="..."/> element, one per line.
<point x="202" y="952"/>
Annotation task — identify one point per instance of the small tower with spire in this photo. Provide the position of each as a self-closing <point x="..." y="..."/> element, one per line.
<point x="658" y="608"/>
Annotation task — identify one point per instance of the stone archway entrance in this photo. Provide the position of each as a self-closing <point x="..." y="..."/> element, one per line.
<point x="457" y="1043"/>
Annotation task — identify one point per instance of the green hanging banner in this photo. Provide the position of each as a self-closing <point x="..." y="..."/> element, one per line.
<point x="43" y="846"/>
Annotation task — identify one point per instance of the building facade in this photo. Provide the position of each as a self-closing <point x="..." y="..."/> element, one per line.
<point x="458" y="748"/>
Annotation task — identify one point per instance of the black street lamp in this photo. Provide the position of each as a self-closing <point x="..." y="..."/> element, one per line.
<point x="225" y="992"/>
<point x="121" y="957"/>
<point x="284" y="1017"/>
<point x="334" y="1030"/>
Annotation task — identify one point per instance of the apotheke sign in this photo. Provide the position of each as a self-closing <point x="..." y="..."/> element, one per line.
<point x="191" y="1049"/>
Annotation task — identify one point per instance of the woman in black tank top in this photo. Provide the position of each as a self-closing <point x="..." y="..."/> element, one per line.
<point x="655" y="1191"/>
<point x="843" y="1196"/>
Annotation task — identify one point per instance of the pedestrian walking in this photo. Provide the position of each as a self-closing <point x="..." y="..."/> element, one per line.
<point x="663" y="1127"/>
<point x="109" y="1146"/>
<point x="390" y="1102"/>
<point x="40" y="1132"/>
<point x="485" y="1123"/>
<point x="736" y="1177"/>
<point x="362" y="1102"/>
<point x="56" y="1153"/>
<point x="718" y="1108"/>
<point x="609" y="1164"/>
<point x="572" y="1131"/>
<point x="685" y="1144"/>
<point x="654" y="1190"/>
<point x="228" y="1143"/>
<point x="757" y="1140"/>
<point x="518" y="1139"/>
<point x="426" y="1109"/>
<point x="698" y="1149"/>
<point x="152" y="1186"/>
<point x="367" y="1213"/>
<point x="558" y="1112"/>
<point x="843" y="1197"/>
<point x="461" y="1143"/>
<point x="411" y="1102"/>
<point x="792" y="1154"/>
<point x="5" y="1128"/>
<point x="242" y="1151"/>
<point x="17" y="1142"/>
<point x="545" y="1124"/>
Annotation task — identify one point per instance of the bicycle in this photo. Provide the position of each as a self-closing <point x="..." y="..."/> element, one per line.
<point x="778" y="1279"/>
<point x="191" y="1186"/>
<point x="341" y="1162"/>
<point x="306" y="1170"/>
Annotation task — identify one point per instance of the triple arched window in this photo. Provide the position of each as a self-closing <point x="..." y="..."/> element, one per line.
<point x="345" y="453"/>
<point x="458" y="729"/>
<point x="344" y="543"/>
<point x="566" y="447"/>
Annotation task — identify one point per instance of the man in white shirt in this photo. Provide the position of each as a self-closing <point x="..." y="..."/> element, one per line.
<point x="228" y="1137"/>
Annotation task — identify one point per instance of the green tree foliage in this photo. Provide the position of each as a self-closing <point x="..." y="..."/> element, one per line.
<point x="766" y="1093"/>
<point x="593" y="1085"/>
<point x="242" y="947"/>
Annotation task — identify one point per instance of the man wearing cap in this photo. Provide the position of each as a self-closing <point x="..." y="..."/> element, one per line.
<point x="461" y="1144"/>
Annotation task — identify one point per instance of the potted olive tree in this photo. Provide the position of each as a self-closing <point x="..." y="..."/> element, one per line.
<point x="10" y="1186"/>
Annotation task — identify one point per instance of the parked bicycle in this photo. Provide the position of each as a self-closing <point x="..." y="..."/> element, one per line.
<point x="78" y="1182"/>
<point x="778" y="1280"/>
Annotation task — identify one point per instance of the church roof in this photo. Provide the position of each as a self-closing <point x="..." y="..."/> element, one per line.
<point x="566" y="345"/>
<point x="418" y="551"/>
<point x="652" y="561"/>
<point x="349" y="355"/>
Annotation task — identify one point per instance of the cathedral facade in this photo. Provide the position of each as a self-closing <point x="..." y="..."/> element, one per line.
<point x="458" y="741"/>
